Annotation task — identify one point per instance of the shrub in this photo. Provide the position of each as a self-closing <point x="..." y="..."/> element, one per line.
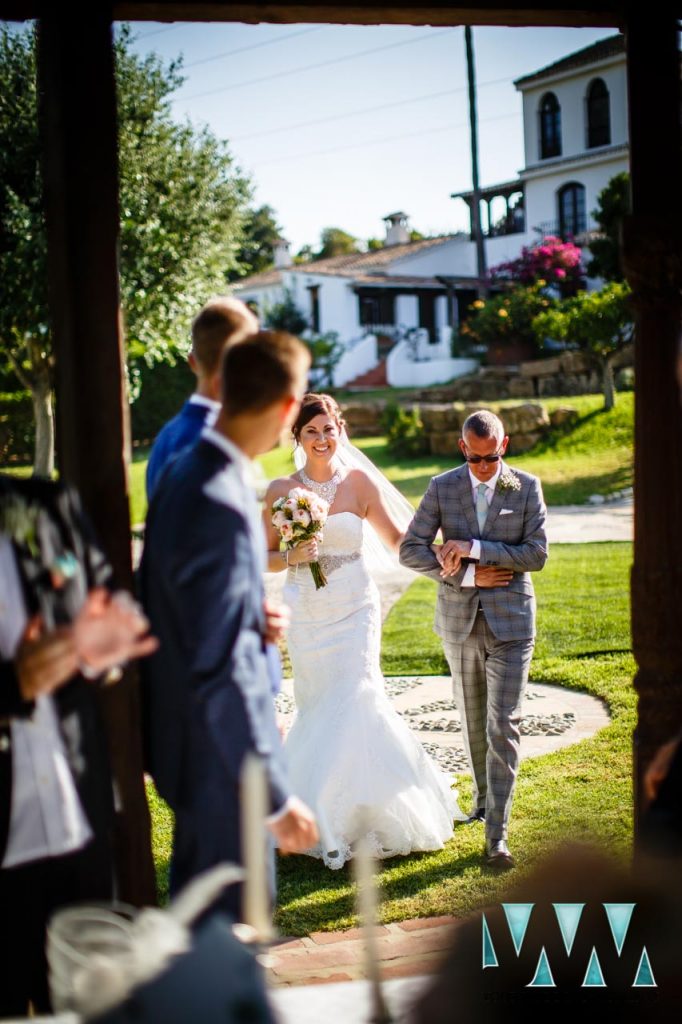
<point x="325" y="350"/>
<point x="163" y="390"/>
<point x="551" y="260"/>
<point x="507" y="319"/>
<point x="286" y="316"/>
<point x="404" y="430"/>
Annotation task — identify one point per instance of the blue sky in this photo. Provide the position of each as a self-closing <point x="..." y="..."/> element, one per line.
<point x="340" y="125"/>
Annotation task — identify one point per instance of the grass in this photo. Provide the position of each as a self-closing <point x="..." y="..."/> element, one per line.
<point x="581" y="792"/>
<point x="594" y="457"/>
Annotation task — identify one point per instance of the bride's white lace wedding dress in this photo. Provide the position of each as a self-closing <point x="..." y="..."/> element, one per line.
<point x="348" y="749"/>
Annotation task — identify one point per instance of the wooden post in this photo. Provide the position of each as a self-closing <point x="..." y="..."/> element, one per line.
<point x="653" y="268"/>
<point x="78" y="123"/>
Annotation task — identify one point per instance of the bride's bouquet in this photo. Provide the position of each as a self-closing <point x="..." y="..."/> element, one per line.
<point x="297" y="517"/>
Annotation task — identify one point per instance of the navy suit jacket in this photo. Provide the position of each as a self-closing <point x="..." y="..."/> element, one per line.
<point x="207" y="695"/>
<point x="180" y="432"/>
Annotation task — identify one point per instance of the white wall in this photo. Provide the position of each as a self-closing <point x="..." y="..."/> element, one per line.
<point x="571" y="91"/>
<point x="541" y="193"/>
<point x="402" y="372"/>
<point x="338" y="303"/>
<point x="431" y="261"/>
<point x="406" y="311"/>
<point x="265" y="297"/>
<point x="457" y="258"/>
<point x="357" y="359"/>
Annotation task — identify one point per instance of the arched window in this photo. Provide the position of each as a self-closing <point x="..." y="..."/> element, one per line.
<point x="572" y="220"/>
<point x="550" y="126"/>
<point x="598" y="116"/>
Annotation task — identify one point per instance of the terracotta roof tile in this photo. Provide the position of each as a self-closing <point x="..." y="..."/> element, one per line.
<point x="357" y="262"/>
<point x="262" y="280"/>
<point x="603" y="48"/>
<point x="348" y="265"/>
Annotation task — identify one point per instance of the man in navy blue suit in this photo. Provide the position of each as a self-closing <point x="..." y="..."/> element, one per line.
<point x="207" y="694"/>
<point x="221" y="322"/>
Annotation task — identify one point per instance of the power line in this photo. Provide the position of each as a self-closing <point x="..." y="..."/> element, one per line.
<point x="376" y="142"/>
<point x="254" y="46"/>
<point x="310" y="67"/>
<point x="159" y="31"/>
<point x="360" y="110"/>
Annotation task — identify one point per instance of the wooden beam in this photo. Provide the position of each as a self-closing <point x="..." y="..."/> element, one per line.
<point x="78" y="122"/>
<point x="654" y="270"/>
<point x="571" y="13"/>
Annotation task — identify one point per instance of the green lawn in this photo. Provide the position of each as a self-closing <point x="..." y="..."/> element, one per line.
<point x="595" y="457"/>
<point x="581" y="792"/>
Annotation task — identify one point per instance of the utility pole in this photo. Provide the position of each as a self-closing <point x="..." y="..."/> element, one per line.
<point x="476" y="196"/>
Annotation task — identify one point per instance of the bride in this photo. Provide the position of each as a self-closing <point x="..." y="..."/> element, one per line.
<point x="351" y="757"/>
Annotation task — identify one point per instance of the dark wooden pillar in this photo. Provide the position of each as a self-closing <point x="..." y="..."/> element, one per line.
<point x="78" y="120"/>
<point x="652" y="262"/>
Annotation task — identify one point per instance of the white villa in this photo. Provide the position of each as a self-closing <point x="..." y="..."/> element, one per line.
<point x="394" y="308"/>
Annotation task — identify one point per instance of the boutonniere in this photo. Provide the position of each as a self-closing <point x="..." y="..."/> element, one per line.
<point x="19" y="520"/>
<point x="508" y="481"/>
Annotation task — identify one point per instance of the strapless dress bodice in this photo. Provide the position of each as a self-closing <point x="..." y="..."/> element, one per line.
<point x="341" y="534"/>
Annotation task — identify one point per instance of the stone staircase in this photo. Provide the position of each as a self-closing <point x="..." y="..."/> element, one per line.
<point x="374" y="378"/>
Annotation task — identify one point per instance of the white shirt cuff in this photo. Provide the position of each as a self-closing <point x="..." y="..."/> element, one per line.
<point x="475" y="550"/>
<point x="284" y="809"/>
<point x="468" y="579"/>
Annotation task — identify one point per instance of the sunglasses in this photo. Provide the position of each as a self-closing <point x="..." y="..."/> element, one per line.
<point x="483" y="458"/>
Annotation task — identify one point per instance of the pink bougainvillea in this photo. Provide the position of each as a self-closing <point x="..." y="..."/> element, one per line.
<point x="551" y="260"/>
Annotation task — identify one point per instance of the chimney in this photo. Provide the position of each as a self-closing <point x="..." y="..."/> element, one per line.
<point x="282" y="254"/>
<point x="397" y="231"/>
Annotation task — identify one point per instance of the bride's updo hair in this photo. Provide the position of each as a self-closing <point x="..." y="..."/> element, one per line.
<point x="316" y="405"/>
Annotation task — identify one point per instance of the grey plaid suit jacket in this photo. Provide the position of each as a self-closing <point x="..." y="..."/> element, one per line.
<point x="514" y="540"/>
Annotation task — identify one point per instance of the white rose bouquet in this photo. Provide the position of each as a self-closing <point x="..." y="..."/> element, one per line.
<point x="297" y="517"/>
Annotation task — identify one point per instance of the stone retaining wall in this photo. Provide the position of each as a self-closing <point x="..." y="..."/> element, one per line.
<point x="444" y="409"/>
<point x="526" y="422"/>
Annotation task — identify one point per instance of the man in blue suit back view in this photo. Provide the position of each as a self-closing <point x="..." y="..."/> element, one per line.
<point x="207" y="697"/>
<point x="221" y="322"/>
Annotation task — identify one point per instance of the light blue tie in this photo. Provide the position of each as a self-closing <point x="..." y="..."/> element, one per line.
<point x="481" y="506"/>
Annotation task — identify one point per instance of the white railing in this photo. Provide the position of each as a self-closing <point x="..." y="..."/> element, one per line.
<point x="360" y="355"/>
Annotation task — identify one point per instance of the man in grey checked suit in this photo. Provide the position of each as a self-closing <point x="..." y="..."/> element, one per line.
<point x="492" y="520"/>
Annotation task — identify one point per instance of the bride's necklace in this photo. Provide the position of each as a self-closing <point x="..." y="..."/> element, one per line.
<point x="326" y="489"/>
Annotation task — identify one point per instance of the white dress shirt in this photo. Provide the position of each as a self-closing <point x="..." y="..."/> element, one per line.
<point x="468" y="580"/>
<point x="46" y="817"/>
<point x="208" y="403"/>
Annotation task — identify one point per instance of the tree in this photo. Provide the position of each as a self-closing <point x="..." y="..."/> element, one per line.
<point x="260" y="232"/>
<point x="599" y="323"/>
<point x="304" y="255"/>
<point x="336" y="242"/>
<point x="613" y="204"/>
<point x="325" y="351"/>
<point x="182" y="203"/>
<point x="286" y="316"/>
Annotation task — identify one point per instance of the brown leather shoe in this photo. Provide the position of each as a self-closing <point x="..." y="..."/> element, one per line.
<point x="497" y="855"/>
